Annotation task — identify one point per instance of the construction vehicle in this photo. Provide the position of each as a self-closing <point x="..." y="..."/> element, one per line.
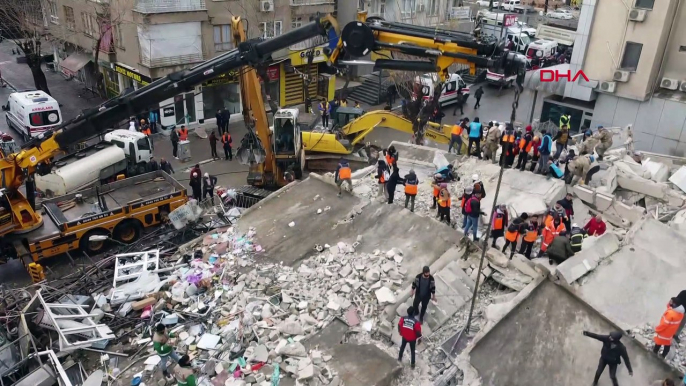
<point x="24" y="229"/>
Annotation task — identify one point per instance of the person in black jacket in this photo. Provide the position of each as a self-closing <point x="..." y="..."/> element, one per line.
<point x="166" y="166"/>
<point x="382" y="172"/>
<point x="393" y="182"/>
<point x="220" y="121"/>
<point x="153" y="165"/>
<point x="611" y="355"/>
<point x="682" y="301"/>
<point x="226" y="117"/>
<point x="423" y="290"/>
<point x="208" y="183"/>
<point x="196" y="185"/>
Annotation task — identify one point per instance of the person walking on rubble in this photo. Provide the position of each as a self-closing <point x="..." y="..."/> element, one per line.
<point x="669" y="325"/>
<point x="444" y="203"/>
<point x="514" y="230"/>
<point x="423" y="290"/>
<point x="611" y="355"/>
<point x="476" y="132"/>
<point x="499" y="223"/>
<point x="544" y="151"/>
<point x="393" y="182"/>
<point x="465" y="197"/>
<point x="605" y="137"/>
<point x="530" y="236"/>
<point x="382" y="175"/>
<point x="184" y="372"/>
<point x="411" y="184"/>
<point x="161" y="344"/>
<point x="343" y="175"/>
<point x="410" y="330"/>
<point x="456" y="137"/>
<point x="526" y="143"/>
<point x="492" y="141"/>
<point x="473" y="211"/>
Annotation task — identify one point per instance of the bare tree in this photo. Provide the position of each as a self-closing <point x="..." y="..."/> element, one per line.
<point x="23" y="23"/>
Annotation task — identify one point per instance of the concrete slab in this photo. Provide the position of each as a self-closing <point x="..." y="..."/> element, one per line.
<point x="355" y="364"/>
<point x="540" y="342"/>
<point x="426" y="154"/>
<point x="639" y="279"/>
<point x="588" y="259"/>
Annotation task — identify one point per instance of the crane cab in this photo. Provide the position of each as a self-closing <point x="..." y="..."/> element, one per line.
<point x="31" y="113"/>
<point x="345" y="115"/>
<point x="286" y="132"/>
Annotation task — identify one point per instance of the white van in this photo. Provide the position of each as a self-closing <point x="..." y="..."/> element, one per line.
<point x="542" y="48"/>
<point x="31" y="113"/>
<point x="510" y="5"/>
<point x="449" y="93"/>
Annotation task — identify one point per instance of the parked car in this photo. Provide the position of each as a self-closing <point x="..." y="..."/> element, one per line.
<point x="485" y="3"/>
<point x="527" y="29"/>
<point x="510" y="5"/>
<point x="563" y="14"/>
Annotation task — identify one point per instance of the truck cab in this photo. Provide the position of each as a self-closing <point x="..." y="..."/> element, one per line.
<point x="31" y="113"/>
<point x="454" y="82"/>
<point x="136" y="146"/>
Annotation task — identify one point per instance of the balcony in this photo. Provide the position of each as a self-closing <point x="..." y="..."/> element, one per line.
<point x="170" y="61"/>
<point x="169" y="6"/>
<point x="297" y="3"/>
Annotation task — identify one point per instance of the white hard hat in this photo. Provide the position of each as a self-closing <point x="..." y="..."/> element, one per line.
<point x="475" y="177"/>
<point x="207" y="174"/>
<point x="195" y="174"/>
<point x="575" y="225"/>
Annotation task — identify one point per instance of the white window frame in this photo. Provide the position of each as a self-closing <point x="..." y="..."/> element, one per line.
<point x="408" y="8"/>
<point x="222" y="37"/>
<point x="71" y="24"/>
<point x="381" y="8"/>
<point x="269" y="29"/>
<point x="432" y="7"/>
<point x="54" y="12"/>
<point x="278" y="27"/>
<point x="90" y="25"/>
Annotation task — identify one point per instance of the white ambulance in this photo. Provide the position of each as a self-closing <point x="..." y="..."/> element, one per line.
<point x="31" y="113"/>
<point x="426" y="84"/>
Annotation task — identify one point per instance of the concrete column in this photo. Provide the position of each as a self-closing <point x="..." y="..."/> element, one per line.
<point x="120" y="78"/>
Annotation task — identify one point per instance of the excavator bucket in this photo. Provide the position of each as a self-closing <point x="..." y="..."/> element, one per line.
<point x="251" y="150"/>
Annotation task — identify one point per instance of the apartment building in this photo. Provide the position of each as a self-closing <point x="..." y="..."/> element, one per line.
<point x="419" y="12"/>
<point x="133" y="42"/>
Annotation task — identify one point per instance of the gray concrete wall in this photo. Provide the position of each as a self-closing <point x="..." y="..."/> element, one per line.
<point x="659" y="124"/>
<point x="540" y="342"/>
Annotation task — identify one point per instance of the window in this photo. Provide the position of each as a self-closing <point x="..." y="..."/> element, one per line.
<point x="69" y="17"/>
<point x="408" y="7"/>
<point x="645" y="4"/>
<point x="44" y="118"/>
<point x="296" y="22"/>
<point x="222" y="37"/>
<point x="682" y="48"/>
<point x="118" y="41"/>
<point x="143" y="144"/>
<point x="90" y="25"/>
<point x="433" y="8"/>
<point x="632" y="54"/>
<point x="270" y="29"/>
<point x="53" y="12"/>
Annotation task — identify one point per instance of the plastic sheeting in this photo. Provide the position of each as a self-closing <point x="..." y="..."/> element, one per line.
<point x="160" y="42"/>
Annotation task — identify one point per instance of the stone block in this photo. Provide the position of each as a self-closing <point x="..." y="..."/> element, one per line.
<point x="510" y="277"/>
<point x="642" y="185"/>
<point x="497" y="258"/>
<point x="659" y="172"/>
<point x="585" y="193"/>
<point x="589" y="257"/>
<point x="632" y="213"/>
<point x="523" y="265"/>
<point x="603" y="201"/>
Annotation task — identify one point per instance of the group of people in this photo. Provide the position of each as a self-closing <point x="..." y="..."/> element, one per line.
<point x="525" y="146"/>
<point x="202" y="185"/>
<point x="184" y="373"/>
<point x="327" y="109"/>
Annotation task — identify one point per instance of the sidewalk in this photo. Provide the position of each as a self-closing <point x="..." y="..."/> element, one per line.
<point x="71" y="94"/>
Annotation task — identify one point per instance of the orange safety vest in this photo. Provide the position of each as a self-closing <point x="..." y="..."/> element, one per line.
<point x="669" y="324"/>
<point x="531" y="234"/>
<point x="529" y="146"/>
<point x="436" y="191"/>
<point x="498" y="222"/>
<point x="443" y="203"/>
<point x="457" y="130"/>
<point x="508" y="138"/>
<point x="147" y="131"/>
<point x="183" y="134"/>
<point x="389" y="159"/>
<point x="549" y="234"/>
<point x="226" y="138"/>
<point x="411" y="187"/>
<point x="344" y="173"/>
<point x="511" y="236"/>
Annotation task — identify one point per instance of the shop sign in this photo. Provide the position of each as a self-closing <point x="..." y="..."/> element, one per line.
<point x="232" y="77"/>
<point x="168" y="112"/>
<point x="273" y="72"/>
<point x="299" y="58"/>
<point x="140" y="78"/>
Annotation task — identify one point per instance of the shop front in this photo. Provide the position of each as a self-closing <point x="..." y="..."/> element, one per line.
<point x="296" y="68"/>
<point x="119" y="77"/>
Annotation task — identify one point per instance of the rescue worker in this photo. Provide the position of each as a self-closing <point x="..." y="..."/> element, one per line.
<point x="208" y="184"/>
<point x="444" y="204"/>
<point x="196" y="186"/>
<point x="226" y="144"/>
<point x="183" y="133"/>
<point x="560" y="249"/>
<point x="530" y="236"/>
<point x="492" y="140"/>
<point x="184" y="372"/>
<point x="526" y="143"/>
<point x="447" y="173"/>
<point x="325" y="110"/>
<point x="681" y="297"/>
<point x="357" y="105"/>
<point x="556" y="211"/>
<point x="561" y="139"/>
<point x="411" y="184"/>
<point x="382" y="175"/>
<point x="343" y="174"/>
<point x="465" y="196"/>
<point x="472" y="211"/>
<point x="145" y="128"/>
<point x="499" y="223"/>
<point x="456" y="138"/>
<point x="576" y="238"/>
<point x="391" y="155"/>
<point x="437" y="190"/>
<point x="478" y="185"/>
<point x="549" y="233"/>
<point x="567" y="204"/>
<point x="544" y="150"/>
<point x="565" y="120"/>
<point x="507" y="141"/>
<point x="611" y="355"/>
<point x="587" y="146"/>
<point x="536" y="155"/>
<point x="554" y="170"/>
<point x="163" y="348"/>
<point x="595" y="226"/>
<point x="514" y="230"/>
<point x="580" y="166"/>
<point x="669" y="325"/>
<point x="344" y="102"/>
<point x="410" y="329"/>
<point x="423" y="290"/>
<point x="605" y="137"/>
<point x="393" y="182"/>
<point x="476" y="131"/>
<point x="174" y="138"/>
<point x="213" y="145"/>
<point x="166" y="166"/>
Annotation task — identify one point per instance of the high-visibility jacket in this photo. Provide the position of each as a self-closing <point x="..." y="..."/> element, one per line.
<point x="498" y="220"/>
<point x="324" y="108"/>
<point x="444" y="201"/>
<point x="564" y="120"/>
<point x="411" y="186"/>
<point x="669" y="324"/>
<point x="577" y="239"/>
<point x="344" y="104"/>
<point x="390" y="160"/>
<point x="511" y="236"/>
<point x="344" y="173"/>
<point x="549" y="234"/>
<point x="509" y="136"/>
<point x="436" y="191"/>
<point x="526" y="144"/>
<point x="183" y="134"/>
<point x="147" y="131"/>
<point x="457" y="130"/>
<point x="531" y="233"/>
<point x="226" y="138"/>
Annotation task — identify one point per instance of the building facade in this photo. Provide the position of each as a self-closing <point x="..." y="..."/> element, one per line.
<point x="419" y="12"/>
<point x="134" y="42"/>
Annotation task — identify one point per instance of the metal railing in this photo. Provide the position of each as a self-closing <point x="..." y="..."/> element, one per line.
<point x="171" y="60"/>
<point x="311" y="2"/>
<point x="165" y="6"/>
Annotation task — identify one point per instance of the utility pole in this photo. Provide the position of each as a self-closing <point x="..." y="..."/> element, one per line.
<point x="545" y="8"/>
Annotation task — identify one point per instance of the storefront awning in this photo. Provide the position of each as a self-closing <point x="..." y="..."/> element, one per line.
<point x="532" y="81"/>
<point x="74" y="63"/>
